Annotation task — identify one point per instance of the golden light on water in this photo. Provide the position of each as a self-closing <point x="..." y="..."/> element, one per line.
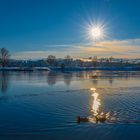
<point x="97" y="114"/>
<point x="95" y="102"/>
<point x="93" y="89"/>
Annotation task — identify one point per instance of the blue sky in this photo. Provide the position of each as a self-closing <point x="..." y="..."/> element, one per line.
<point x="37" y="28"/>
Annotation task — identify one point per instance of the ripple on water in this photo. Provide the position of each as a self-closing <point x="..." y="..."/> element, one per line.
<point x="56" y="110"/>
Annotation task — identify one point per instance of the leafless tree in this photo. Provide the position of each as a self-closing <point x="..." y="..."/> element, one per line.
<point x="4" y="57"/>
<point x="110" y="59"/>
<point x="51" y="60"/>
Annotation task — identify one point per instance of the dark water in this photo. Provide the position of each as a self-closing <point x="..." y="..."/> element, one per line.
<point x="45" y="105"/>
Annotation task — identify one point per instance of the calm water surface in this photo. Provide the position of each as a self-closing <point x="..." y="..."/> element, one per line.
<point x="45" y="105"/>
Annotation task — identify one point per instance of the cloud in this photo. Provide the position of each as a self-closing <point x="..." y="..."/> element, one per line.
<point x="118" y="48"/>
<point x="129" y="48"/>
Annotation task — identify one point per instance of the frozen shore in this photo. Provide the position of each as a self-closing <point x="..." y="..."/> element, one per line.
<point x="122" y="68"/>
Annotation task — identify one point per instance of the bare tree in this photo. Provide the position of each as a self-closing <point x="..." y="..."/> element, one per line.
<point x="51" y="60"/>
<point x="4" y="57"/>
<point x="110" y="59"/>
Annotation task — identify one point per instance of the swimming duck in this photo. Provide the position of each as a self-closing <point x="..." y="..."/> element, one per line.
<point x="80" y="119"/>
<point x="100" y="118"/>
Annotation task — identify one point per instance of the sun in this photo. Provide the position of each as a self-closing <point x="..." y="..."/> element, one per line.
<point x="96" y="32"/>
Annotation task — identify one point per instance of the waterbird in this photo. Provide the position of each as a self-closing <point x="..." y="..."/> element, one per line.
<point x="98" y="118"/>
<point x="82" y="119"/>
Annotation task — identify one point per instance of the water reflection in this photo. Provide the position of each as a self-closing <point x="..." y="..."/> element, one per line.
<point x="95" y="81"/>
<point x="95" y="102"/>
<point x="97" y="114"/>
<point x="68" y="78"/>
<point x="53" y="78"/>
<point x="4" y="81"/>
<point x="111" y="80"/>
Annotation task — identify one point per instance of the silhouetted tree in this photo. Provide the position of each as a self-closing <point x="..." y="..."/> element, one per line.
<point x="110" y="59"/>
<point x="4" y="57"/>
<point x="51" y="60"/>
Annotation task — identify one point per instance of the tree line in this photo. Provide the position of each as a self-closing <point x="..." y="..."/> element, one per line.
<point x="67" y="61"/>
<point x="51" y="59"/>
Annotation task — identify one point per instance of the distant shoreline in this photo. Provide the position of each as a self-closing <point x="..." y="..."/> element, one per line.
<point x="31" y="69"/>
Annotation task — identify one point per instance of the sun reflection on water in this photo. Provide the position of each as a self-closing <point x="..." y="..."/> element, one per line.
<point x="95" y="102"/>
<point x="97" y="114"/>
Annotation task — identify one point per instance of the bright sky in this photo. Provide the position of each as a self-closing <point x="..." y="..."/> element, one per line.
<point x="37" y="28"/>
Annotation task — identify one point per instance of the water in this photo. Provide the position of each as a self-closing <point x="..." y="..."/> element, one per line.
<point x="45" y="105"/>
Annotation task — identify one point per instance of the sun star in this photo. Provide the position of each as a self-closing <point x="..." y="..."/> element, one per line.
<point x="96" y="32"/>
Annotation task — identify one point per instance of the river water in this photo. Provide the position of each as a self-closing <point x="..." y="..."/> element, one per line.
<point x="45" y="105"/>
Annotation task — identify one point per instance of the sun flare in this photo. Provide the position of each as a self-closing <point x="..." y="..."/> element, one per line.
<point x="96" y="32"/>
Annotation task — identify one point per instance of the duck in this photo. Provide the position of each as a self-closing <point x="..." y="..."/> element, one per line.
<point x="100" y="118"/>
<point x="82" y="119"/>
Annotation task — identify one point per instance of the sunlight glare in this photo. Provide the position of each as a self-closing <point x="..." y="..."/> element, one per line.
<point x="96" y="32"/>
<point x="96" y="103"/>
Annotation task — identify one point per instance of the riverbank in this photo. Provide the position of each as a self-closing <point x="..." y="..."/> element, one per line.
<point x="134" y="68"/>
<point x="25" y="69"/>
<point x="122" y="68"/>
